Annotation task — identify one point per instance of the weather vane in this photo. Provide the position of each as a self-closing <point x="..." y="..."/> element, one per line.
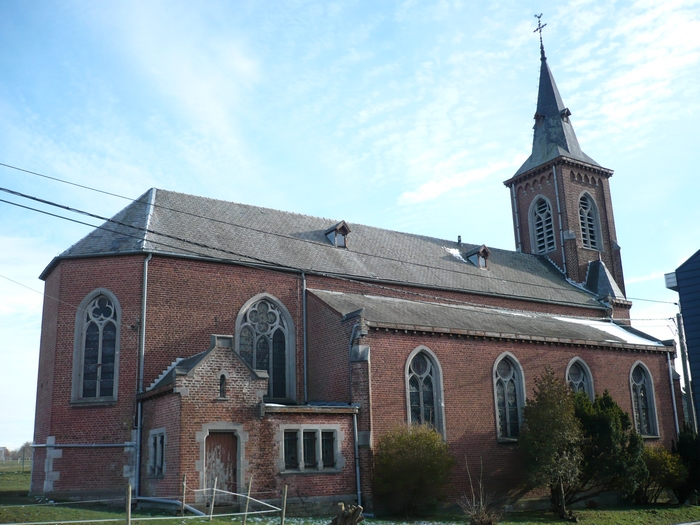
<point x="539" y="29"/>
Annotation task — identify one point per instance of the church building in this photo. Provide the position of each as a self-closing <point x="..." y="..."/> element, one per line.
<point x="197" y="339"/>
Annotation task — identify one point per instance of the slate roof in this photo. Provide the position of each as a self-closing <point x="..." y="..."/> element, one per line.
<point x="554" y="135"/>
<point x="401" y="314"/>
<point x="165" y="222"/>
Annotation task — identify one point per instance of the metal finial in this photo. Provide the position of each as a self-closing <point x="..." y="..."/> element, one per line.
<point x="539" y="29"/>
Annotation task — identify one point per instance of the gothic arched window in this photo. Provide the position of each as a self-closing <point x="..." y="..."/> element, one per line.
<point x="509" y="392"/>
<point x="96" y="361"/>
<point x="265" y="340"/>
<point x="424" y="389"/>
<point x="542" y="226"/>
<point x="643" y="400"/>
<point x="578" y="377"/>
<point x="590" y="227"/>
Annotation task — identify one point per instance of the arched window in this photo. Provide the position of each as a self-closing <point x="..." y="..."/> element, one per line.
<point x="96" y="355"/>
<point x="222" y="386"/>
<point x="588" y="217"/>
<point x="509" y="391"/>
<point x="643" y="400"/>
<point x="265" y="340"/>
<point x="542" y="226"/>
<point x="424" y="389"/>
<point x="578" y="377"/>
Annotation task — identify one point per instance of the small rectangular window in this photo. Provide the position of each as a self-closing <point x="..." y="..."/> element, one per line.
<point x="328" y="449"/>
<point x="310" y="449"/>
<point x="156" y="453"/>
<point x="291" y="455"/>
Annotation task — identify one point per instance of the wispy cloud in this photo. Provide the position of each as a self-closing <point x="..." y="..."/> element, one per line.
<point x="441" y="185"/>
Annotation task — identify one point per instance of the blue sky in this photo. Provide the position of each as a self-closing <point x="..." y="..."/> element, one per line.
<point x="403" y="115"/>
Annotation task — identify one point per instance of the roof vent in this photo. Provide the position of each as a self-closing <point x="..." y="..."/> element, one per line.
<point x="338" y="234"/>
<point x="478" y="256"/>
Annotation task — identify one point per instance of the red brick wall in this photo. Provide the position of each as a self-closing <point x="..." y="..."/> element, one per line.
<point x="44" y="387"/>
<point x="82" y="469"/>
<point x="571" y="182"/>
<point x="162" y="412"/>
<point x="189" y="300"/>
<point x="328" y="352"/>
<point x="467" y="365"/>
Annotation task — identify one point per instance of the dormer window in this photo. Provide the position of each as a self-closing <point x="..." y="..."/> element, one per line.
<point x="338" y="234"/>
<point x="478" y="256"/>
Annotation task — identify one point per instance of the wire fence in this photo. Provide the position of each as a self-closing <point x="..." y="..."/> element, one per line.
<point x="206" y="497"/>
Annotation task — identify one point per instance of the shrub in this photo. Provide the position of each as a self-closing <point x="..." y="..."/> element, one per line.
<point x="666" y="471"/>
<point x="411" y="469"/>
<point x="479" y="506"/>
<point x="688" y="449"/>
<point x="550" y="438"/>
<point x="611" y="450"/>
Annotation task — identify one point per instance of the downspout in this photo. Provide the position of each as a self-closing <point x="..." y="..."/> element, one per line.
<point x="561" y="229"/>
<point x="142" y="359"/>
<point x="303" y="315"/>
<point x="518" y="240"/>
<point x="353" y="334"/>
<point x="673" y="392"/>
<point x="357" y="460"/>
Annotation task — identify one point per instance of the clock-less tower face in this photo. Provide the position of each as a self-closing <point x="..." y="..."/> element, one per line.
<point x="561" y="201"/>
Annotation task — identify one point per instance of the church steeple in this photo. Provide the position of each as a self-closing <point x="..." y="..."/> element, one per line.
<point x="554" y="135"/>
<point x="562" y="207"/>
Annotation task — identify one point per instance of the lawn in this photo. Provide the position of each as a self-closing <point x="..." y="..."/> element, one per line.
<point x="17" y="507"/>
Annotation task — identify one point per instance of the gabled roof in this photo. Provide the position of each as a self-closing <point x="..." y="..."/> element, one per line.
<point x="479" y="321"/>
<point x="554" y="135"/>
<point x="169" y="223"/>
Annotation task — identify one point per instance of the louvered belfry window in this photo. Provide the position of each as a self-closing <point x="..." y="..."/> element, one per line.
<point x="99" y="348"/>
<point x="263" y="344"/>
<point x="543" y="226"/>
<point x="421" y="384"/>
<point x="588" y="217"/>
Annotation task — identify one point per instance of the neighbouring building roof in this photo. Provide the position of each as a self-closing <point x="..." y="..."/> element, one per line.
<point x="170" y="223"/>
<point x="401" y="314"/>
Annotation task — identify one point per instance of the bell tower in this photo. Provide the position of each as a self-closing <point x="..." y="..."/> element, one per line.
<point x="562" y="208"/>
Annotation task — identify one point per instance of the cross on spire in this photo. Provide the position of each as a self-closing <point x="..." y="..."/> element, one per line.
<point x="539" y="29"/>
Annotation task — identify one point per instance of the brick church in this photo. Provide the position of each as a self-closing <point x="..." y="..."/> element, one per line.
<point x="197" y="338"/>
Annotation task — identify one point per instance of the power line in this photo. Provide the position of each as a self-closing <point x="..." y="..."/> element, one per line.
<point x="215" y="220"/>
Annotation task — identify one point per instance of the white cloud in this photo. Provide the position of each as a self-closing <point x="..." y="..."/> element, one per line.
<point x="438" y="186"/>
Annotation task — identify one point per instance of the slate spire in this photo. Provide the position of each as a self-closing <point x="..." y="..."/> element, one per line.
<point x="554" y="135"/>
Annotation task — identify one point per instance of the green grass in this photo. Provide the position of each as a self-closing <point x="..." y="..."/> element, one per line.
<point x="17" y="507"/>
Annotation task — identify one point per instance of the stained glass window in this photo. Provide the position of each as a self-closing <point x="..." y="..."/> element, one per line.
<point x="421" y="387"/>
<point x="508" y="398"/>
<point x="262" y="343"/>
<point x="642" y="401"/>
<point x="99" y="349"/>
<point x="578" y="379"/>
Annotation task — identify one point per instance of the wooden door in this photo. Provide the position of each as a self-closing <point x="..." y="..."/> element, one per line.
<point x="221" y="458"/>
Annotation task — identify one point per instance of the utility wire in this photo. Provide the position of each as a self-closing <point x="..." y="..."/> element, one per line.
<point x="265" y="261"/>
<point x="215" y="220"/>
